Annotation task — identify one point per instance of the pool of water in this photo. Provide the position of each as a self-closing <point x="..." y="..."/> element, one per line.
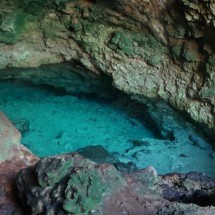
<point x="53" y="123"/>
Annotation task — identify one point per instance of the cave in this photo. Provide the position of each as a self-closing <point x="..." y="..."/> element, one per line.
<point x="93" y="118"/>
<point x="107" y="108"/>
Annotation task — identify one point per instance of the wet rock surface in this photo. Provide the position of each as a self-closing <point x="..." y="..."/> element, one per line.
<point x="71" y="184"/>
<point x="188" y="188"/>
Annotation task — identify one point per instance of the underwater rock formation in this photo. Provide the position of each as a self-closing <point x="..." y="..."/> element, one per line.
<point x="71" y="184"/>
<point x="153" y="48"/>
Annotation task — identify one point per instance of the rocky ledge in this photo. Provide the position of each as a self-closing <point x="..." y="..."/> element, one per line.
<point x="71" y="184"/>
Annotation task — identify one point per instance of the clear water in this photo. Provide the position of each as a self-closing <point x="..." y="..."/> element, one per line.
<point x="53" y="124"/>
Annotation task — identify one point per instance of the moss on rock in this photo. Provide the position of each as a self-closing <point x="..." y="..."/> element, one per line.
<point x="11" y="26"/>
<point x="67" y="184"/>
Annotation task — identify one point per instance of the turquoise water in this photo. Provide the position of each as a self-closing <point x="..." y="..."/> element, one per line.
<point x="52" y="123"/>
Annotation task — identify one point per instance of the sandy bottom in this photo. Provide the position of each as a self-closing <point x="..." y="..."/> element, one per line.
<point x="53" y="123"/>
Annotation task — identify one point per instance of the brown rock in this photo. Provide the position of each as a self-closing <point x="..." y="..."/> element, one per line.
<point x="9" y="138"/>
<point x="13" y="157"/>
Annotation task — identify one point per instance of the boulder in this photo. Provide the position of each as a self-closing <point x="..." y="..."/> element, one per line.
<point x="67" y="184"/>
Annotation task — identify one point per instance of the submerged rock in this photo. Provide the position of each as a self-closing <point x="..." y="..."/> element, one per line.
<point x="71" y="184"/>
<point x="97" y="154"/>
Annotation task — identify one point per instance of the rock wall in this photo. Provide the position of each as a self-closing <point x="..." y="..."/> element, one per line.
<point x="152" y="48"/>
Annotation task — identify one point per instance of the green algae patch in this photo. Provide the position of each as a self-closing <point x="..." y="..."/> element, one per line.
<point x="176" y="51"/>
<point x="86" y="188"/>
<point x="68" y="184"/>
<point x="123" y="42"/>
<point x="84" y="180"/>
<point x="93" y="37"/>
<point x="99" y="30"/>
<point x="207" y="93"/>
<point x="51" y="171"/>
<point x="155" y="60"/>
<point x="11" y="26"/>
<point x="52" y="27"/>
